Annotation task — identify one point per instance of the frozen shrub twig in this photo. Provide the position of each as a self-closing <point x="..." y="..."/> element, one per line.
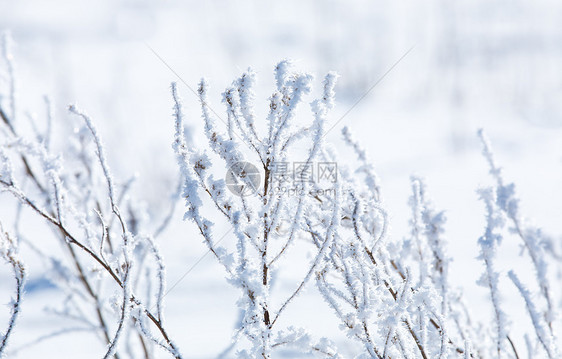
<point x="255" y="219"/>
<point x="8" y="252"/>
<point x="106" y="247"/>
<point x="488" y="247"/>
<point x="8" y="58"/>
<point x="531" y="236"/>
<point x="408" y="318"/>
<point x="543" y="334"/>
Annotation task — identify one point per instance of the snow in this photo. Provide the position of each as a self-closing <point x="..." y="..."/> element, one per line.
<point x="474" y="65"/>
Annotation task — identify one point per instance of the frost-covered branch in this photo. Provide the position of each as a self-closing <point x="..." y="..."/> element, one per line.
<point x="532" y="237"/>
<point x="489" y="243"/>
<point x="255" y="219"/>
<point x="543" y="334"/>
<point x="105" y="247"/>
<point x="8" y="252"/>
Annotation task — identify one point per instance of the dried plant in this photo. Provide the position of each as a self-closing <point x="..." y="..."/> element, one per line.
<point x="256" y="219"/>
<point x="112" y="255"/>
<point x="394" y="298"/>
<point x="9" y="252"/>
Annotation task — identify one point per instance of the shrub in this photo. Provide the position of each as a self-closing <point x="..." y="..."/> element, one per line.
<point x="394" y="298"/>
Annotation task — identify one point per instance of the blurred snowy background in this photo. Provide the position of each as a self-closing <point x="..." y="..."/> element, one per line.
<point x="491" y="64"/>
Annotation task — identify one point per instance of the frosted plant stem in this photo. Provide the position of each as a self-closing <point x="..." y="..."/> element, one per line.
<point x="9" y="59"/>
<point x="543" y="334"/>
<point x="8" y="253"/>
<point x="531" y="236"/>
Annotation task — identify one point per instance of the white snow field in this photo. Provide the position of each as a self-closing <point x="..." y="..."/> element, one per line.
<point x="440" y="70"/>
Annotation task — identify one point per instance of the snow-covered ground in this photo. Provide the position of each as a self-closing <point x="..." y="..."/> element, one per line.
<point x="496" y="65"/>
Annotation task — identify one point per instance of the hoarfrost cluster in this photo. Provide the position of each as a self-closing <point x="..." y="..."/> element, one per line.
<point x="393" y="298"/>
